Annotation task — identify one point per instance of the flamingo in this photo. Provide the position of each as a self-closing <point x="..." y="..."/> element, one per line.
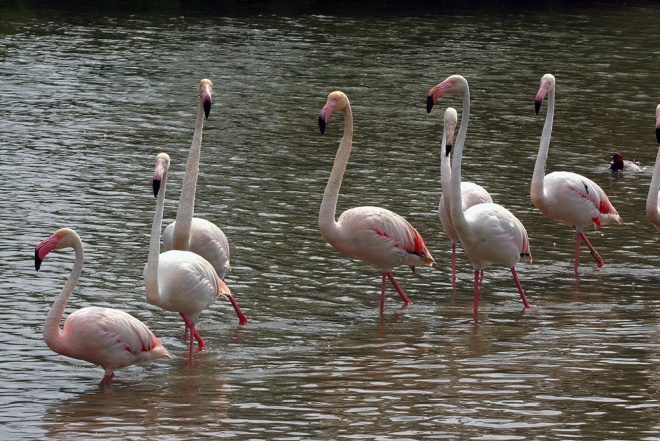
<point x="107" y="337"/>
<point x="190" y="233"/>
<point x="652" y="208"/>
<point x="371" y="234"/>
<point x="618" y="164"/>
<point x="180" y="281"/>
<point x="471" y="193"/>
<point x="563" y="196"/>
<point x="489" y="233"/>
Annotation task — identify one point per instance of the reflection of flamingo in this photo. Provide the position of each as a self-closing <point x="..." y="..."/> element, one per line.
<point x="180" y="281"/>
<point x="372" y="234"/>
<point x="106" y="337"/>
<point x="471" y="193"/>
<point x="652" y="209"/>
<point x="489" y="233"/>
<point x="563" y="196"/>
<point x="190" y="233"/>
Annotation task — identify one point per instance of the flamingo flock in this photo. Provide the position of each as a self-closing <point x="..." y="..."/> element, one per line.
<point x="189" y="275"/>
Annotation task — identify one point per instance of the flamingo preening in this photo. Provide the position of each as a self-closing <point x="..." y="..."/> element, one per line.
<point x="563" y="196"/>
<point x="107" y="337"/>
<point x="652" y="208"/>
<point x="180" y="281"/>
<point x="373" y="235"/>
<point x="490" y="234"/>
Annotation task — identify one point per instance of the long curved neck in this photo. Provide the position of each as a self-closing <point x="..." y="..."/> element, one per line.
<point x="52" y="333"/>
<point x="327" y="223"/>
<point x="536" y="191"/>
<point x="184" y="214"/>
<point x="151" y="271"/>
<point x="445" y="173"/>
<point x="652" y="199"/>
<point x="456" y="206"/>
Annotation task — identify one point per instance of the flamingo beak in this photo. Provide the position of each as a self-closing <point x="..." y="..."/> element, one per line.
<point x="657" y="134"/>
<point x="436" y="93"/>
<point x="205" y="94"/>
<point x="159" y="174"/>
<point x="325" y="113"/>
<point x="43" y="248"/>
<point x="543" y="90"/>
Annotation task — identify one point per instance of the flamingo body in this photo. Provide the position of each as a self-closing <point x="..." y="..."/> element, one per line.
<point x="107" y="337"/>
<point x="567" y="197"/>
<point x="471" y="194"/>
<point x="374" y="235"/>
<point x="490" y="234"/>
<point x="188" y="233"/>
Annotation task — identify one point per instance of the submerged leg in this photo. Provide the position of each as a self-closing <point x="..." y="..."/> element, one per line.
<point x="476" y="293"/>
<point x="382" y="293"/>
<point x="520" y="290"/>
<point x="403" y="295"/>
<point x="453" y="264"/>
<point x="193" y="332"/>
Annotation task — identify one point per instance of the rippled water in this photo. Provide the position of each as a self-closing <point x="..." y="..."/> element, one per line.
<point x="88" y="100"/>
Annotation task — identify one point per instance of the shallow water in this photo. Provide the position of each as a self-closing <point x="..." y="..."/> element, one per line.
<point x="86" y="102"/>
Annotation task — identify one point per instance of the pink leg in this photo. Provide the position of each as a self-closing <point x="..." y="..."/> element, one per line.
<point x="577" y="254"/>
<point x="193" y="332"/>
<point x="403" y="295"/>
<point x="242" y="320"/>
<point x="107" y="379"/>
<point x="593" y="251"/>
<point x="520" y="290"/>
<point x="382" y="293"/>
<point x="476" y="293"/>
<point x="453" y="264"/>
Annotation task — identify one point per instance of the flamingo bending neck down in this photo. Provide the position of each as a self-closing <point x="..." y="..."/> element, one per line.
<point x="371" y="234"/>
<point x="471" y="193"/>
<point x="652" y="208"/>
<point x="563" y="196"/>
<point x="489" y="233"/>
<point x="190" y="233"/>
<point x="180" y="281"/>
<point x="106" y="337"/>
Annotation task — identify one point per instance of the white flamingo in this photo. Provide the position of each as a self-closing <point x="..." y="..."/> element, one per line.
<point x="489" y="233"/>
<point x="106" y="337"/>
<point x="180" y="281"/>
<point x="371" y="234"/>
<point x="563" y="196"/>
<point x="471" y="193"/>
<point x="652" y="208"/>
<point x="190" y="233"/>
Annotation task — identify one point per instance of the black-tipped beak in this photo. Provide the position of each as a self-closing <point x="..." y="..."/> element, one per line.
<point x="207" y="106"/>
<point x="156" y="185"/>
<point x="448" y="149"/>
<point x="537" y="105"/>
<point x="321" y="125"/>
<point x="657" y="134"/>
<point x="37" y="260"/>
<point x="429" y="103"/>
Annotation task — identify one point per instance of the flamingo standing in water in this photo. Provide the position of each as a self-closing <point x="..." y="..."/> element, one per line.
<point x="471" y="193"/>
<point x="190" y="233"/>
<point x="563" y="196"/>
<point x="489" y="233"/>
<point x="652" y="208"/>
<point x="180" y="281"/>
<point x="106" y="337"/>
<point x="371" y="234"/>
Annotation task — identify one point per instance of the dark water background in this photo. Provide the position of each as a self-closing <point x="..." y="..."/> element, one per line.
<point x="89" y="94"/>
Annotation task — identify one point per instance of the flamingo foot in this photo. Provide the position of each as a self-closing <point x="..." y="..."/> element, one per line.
<point x="396" y="285"/>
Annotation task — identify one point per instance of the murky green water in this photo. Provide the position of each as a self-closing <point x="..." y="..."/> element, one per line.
<point x="88" y="100"/>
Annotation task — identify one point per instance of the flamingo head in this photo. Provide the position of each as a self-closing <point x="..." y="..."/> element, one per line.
<point x="547" y="84"/>
<point x="62" y="238"/>
<point x="205" y="95"/>
<point x="451" y="118"/>
<point x="160" y="172"/>
<point x="454" y="84"/>
<point x="617" y="162"/>
<point x="337" y="102"/>
<point x="657" y="123"/>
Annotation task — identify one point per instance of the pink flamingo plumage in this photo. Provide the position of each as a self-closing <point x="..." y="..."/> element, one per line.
<point x="652" y="208"/>
<point x="471" y="193"/>
<point x="563" y="196"/>
<point x="489" y="233"/>
<point x="371" y="234"/>
<point x="107" y="337"/>
<point x="180" y="281"/>
<point x="190" y="233"/>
